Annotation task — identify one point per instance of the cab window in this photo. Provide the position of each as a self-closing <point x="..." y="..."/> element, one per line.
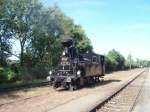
<point x="94" y="59"/>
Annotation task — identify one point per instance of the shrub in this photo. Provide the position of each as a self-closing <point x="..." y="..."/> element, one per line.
<point x="7" y="75"/>
<point x="3" y="77"/>
<point x="39" y="72"/>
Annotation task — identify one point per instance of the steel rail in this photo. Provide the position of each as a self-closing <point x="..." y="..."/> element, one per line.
<point x="114" y="93"/>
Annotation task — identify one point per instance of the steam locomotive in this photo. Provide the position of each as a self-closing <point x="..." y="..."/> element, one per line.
<point x="75" y="69"/>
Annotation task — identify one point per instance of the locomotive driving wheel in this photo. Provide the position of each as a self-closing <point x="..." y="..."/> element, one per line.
<point x="55" y="86"/>
<point x="74" y="85"/>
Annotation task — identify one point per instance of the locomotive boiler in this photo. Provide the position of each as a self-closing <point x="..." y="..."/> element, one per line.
<point x="75" y="69"/>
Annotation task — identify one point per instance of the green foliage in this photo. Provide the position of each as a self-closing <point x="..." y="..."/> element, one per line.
<point x="80" y="39"/>
<point x="6" y="75"/>
<point x="21" y="14"/>
<point x="3" y="77"/>
<point x="2" y="8"/>
<point x="38" y="30"/>
<point x="116" y="60"/>
<point x="109" y="65"/>
<point x="130" y="62"/>
<point x="142" y="63"/>
<point x="47" y="34"/>
<point x="5" y="35"/>
<point x="5" y="50"/>
<point x="39" y="71"/>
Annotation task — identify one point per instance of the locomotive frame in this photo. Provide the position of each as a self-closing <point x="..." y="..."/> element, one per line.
<point x="75" y="70"/>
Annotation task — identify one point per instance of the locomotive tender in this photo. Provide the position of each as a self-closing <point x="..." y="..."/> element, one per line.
<point x="75" y="69"/>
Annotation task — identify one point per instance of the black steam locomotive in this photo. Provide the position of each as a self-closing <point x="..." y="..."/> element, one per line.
<point x="75" y="69"/>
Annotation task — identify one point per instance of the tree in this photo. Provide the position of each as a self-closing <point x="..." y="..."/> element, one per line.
<point x="144" y="63"/>
<point x="1" y="8"/>
<point x="49" y="31"/>
<point x="5" y="50"/>
<point x="109" y="65"/>
<point x="5" y="34"/>
<point x="81" y="41"/>
<point x="116" y="59"/>
<point x="22" y="14"/>
<point x="129" y="61"/>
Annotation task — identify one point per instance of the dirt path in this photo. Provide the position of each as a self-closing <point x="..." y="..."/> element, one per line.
<point x="45" y="98"/>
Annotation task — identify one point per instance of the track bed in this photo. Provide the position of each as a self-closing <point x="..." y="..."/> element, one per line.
<point x="124" y="100"/>
<point x="46" y="99"/>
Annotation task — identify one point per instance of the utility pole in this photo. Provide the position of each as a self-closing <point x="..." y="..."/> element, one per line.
<point x="130" y="61"/>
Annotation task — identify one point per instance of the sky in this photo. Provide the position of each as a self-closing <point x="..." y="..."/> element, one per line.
<point x="123" y="25"/>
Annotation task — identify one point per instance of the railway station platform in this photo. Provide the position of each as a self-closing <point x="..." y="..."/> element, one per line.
<point x="143" y="101"/>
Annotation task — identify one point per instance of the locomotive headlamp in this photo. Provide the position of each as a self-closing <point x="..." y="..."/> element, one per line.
<point x="50" y="72"/>
<point x="64" y="53"/>
<point x="78" y="72"/>
<point x="48" y="78"/>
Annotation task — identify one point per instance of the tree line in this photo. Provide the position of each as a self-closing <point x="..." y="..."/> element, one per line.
<point x="39" y="30"/>
<point x="116" y="61"/>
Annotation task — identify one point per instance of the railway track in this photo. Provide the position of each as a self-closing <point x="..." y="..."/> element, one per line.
<point x="21" y="87"/>
<point x="124" y="99"/>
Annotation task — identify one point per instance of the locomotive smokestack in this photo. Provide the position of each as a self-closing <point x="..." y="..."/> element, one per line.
<point x="67" y="42"/>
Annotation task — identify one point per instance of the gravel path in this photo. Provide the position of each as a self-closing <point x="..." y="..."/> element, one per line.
<point x="143" y="102"/>
<point x="44" y="99"/>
